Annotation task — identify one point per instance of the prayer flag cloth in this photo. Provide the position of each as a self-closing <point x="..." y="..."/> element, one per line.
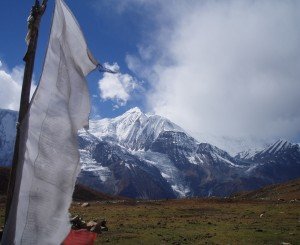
<point x="80" y="237"/>
<point x="49" y="158"/>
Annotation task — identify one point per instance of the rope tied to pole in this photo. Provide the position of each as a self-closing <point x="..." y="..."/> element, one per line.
<point x="102" y="68"/>
<point x="34" y="19"/>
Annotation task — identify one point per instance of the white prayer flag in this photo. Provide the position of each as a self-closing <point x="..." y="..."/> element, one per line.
<point x="49" y="162"/>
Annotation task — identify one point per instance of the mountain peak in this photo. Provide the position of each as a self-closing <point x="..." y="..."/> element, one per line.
<point x="130" y="116"/>
<point x="281" y="141"/>
<point x="133" y="129"/>
<point x="133" y="111"/>
<point x="279" y="145"/>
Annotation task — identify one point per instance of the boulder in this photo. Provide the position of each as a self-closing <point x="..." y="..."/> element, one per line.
<point x="91" y="224"/>
<point x="86" y="204"/>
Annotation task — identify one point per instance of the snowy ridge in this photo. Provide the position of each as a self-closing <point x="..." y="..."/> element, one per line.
<point x="133" y="129"/>
<point x="249" y="154"/>
<point x="217" y="154"/>
<point x="272" y="149"/>
<point x="277" y="146"/>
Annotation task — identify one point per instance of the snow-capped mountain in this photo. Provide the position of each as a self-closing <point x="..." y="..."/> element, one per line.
<point x="118" y="151"/>
<point x="8" y="121"/>
<point x="147" y="156"/>
<point x="277" y="162"/>
<point x="133" y="130"/>
<point x="278" y="148"/>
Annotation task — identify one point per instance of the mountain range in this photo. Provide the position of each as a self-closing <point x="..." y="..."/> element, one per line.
<point x="147" y="156"/>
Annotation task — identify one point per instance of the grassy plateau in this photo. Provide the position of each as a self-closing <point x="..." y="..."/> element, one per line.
<point x="260" y="217"/>
<point x="194" y="221"/>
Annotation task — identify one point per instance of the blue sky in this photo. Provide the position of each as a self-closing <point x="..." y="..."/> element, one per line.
<point x="110" y="37"/>
<point x="226" y="71"/>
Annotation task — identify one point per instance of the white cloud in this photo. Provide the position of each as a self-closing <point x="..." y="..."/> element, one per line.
<point x="117" y="87"/>
<point x="229" y="68"/>
<point x="138" y="66"/>
<point x="10" y="86"/>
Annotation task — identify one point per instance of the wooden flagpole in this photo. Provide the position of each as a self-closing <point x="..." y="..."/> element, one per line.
<point x="32" y="37"/>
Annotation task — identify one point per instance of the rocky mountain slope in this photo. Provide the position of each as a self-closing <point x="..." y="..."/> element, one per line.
<point x="288" y="191"/>
<point x="147" y="156"/>
<point x="276" y="163"/>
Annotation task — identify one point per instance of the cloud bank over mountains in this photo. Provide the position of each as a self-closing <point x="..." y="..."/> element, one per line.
<point x="226" y="68"/>
<point x="219" y="69"/>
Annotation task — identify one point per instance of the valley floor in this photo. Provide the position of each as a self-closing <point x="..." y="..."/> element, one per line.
<point x="194" y="221"/>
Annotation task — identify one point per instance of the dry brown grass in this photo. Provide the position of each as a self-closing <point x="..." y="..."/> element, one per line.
<point x="253" y="218"/>
<point x="196" y="221"/>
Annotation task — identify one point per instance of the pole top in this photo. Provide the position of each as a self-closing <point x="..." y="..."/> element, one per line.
<point x="34" y="18"/>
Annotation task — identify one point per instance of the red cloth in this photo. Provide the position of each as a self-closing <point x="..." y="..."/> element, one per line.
<point x="80" y="237"/>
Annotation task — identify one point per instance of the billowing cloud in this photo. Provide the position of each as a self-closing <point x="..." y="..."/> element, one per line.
<point x="117" y="87"/>
<point x="226" y="69"/>
<point x="10" y="86"/>
<point x="230" y="68"/>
